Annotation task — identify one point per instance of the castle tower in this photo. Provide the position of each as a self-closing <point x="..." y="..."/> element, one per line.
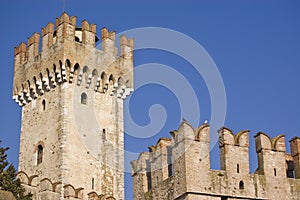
<point x="71" y="93"/>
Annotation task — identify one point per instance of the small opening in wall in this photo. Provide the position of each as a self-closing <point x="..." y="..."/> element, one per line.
<point x="290" y="169"/>
<point x="40" y="154"/>
<point x="84" y="98"/>
<point x="241" y="185"/>
<point x="85" y="69"/>
<point x="170" y="162"/>
<point x="77" y="39"/>
<point x="274" y="171"/>
<point x="224" y="198"/>
<point x="238" y="168"/>
<point x="93" y="182"/>
<point x="76" y="68"/>
<point x="104" y="134"/>
<point x="148" y="174"/>
<point x="44" y="105"/>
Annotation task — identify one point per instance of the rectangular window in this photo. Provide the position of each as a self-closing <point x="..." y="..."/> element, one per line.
<point x="148" y="174"/>
<point x="170" y="162"/>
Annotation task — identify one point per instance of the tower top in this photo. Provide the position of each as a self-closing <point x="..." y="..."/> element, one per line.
<point x="62" y="50"/>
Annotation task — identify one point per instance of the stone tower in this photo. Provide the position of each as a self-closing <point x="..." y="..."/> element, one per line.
<point x="71" y="93"/>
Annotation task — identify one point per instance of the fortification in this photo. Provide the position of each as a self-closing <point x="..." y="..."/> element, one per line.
<point x="179" y="168"/>
<point x="71" y="93"/>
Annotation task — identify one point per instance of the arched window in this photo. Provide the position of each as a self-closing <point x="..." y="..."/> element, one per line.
<point x="44" y="105"/>
<point x="40" y="154"/>
<point x="85" y="69"/>
<point x="68" y="64"/>
<point x="76" y="68"/>
<point x="84" y="98"/>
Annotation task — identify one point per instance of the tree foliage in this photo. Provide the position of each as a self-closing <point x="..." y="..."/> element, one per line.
<point x="8" y="177"/>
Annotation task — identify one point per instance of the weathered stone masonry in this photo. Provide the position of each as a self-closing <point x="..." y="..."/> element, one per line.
<point x="71" y="142"/>
<point x="179" y="168"/>
<point x="71" y="93"/>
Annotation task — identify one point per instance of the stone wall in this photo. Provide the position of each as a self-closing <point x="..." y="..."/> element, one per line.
<point x="191" y="177"/>
<point x="5" y="195"/>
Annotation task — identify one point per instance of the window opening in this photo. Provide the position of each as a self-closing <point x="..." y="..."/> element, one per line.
<point x="84" y="98"/>
<point x="40" y="154"/>
<point x="241" y="185"/>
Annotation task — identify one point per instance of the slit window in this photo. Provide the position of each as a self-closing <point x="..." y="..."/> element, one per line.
<point x="40" y="154"/>
<point x="84" y="98"/>
<point x="44" y="105"/>
<point x="275" y="172"/>
<point x="170" y="162"/>
<point x="93" y="183"/>
<point x="238" y="168"/>
<point x="148" y="174"/>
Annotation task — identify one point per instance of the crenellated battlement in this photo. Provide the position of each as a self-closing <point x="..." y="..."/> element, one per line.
<point x="64" y="18"/>
<point x="65" y="53"/>
<point x="179" y="167"/>
<point x="49" y="29"/>
<point x="227" y="137"/>
<point x="264" y="142"/>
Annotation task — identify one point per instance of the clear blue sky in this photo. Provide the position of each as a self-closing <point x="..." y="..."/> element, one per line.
<point x="255" y="45"/>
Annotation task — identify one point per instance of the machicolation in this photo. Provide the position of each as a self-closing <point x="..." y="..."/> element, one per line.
<point x="38" y="71"/>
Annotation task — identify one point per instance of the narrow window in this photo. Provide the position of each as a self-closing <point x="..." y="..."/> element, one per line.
<point x="241" y="185"/>
<point x="44" y="105"/>
<point x="170" y="163"/>
<point x="93" y="182"/>
<point x="40" y="154"/>
<point x="84" y="98"/>
<point x="103" y="134"/>
<point x="76" y="70"/>
<point x="274" y="171"/>
<point x="148" y="174"/>
<point x="238" y="168"/>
